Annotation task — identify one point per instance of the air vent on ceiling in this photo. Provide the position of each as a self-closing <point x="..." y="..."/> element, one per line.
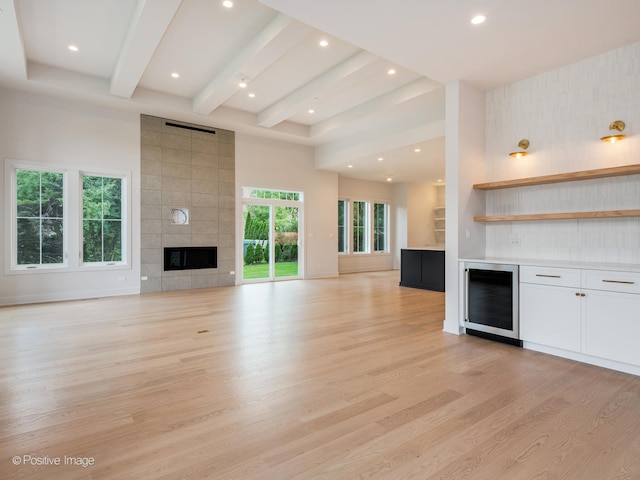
<point x="189" y="127"/>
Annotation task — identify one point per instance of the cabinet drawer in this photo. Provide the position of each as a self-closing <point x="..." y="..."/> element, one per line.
<point x="624" y="282"/>
<point x="561" y="277"/>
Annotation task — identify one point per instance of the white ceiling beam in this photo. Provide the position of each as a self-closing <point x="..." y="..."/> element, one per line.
<point x="148" y="25"/>
<point x="293" y="103"/>
<point x="13" y="57"/>
<point x="267" y="46"/>
<point x="386" y="101"/>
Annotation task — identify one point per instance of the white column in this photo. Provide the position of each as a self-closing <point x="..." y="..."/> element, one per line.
<point x="465" y="165"/>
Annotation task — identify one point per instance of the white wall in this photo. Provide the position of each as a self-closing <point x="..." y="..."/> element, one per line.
<point x="265" y="163"/>
<point x="352" y="189"/>
<point x="50" y="130"/>
<point x="422" y="199"/>
<point x="399" y="215"/>
<point x="564" y="113"/>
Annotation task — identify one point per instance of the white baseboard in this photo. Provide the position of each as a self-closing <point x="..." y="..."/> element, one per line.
<point x="64" y="296"/>
<point x="581" y="357"/>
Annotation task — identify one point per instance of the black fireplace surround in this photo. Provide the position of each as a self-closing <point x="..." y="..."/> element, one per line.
<point x="190" y="258"/>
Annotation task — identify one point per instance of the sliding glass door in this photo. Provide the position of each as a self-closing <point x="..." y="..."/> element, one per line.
<point x="271" y="243"/>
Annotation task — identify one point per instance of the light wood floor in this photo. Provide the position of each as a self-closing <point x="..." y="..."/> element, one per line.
<point x="332" y="379"/>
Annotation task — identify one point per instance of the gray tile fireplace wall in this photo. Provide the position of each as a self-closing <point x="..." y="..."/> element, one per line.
<point x="186" y="168"/>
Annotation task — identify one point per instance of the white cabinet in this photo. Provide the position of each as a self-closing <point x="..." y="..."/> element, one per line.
<point x="550" y="312"/>
<point x="612" y="316"/>
<point x="550" y="316"/>
<point x="592" y="313"/>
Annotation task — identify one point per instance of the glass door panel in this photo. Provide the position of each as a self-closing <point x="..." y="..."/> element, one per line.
<point x="286" y="241"/>
<point x="255" y="243"/>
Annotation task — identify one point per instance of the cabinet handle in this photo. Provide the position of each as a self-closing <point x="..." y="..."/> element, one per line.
<point x="619" y="281"/>
<point x="549" y="276"/>
<point x="577" y="294"/>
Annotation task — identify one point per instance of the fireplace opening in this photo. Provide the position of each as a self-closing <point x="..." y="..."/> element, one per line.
<point x="190" y="258"/>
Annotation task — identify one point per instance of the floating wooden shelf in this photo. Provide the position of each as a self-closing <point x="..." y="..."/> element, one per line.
<point x="558" y="216"/>
<point x="562" y="177"/>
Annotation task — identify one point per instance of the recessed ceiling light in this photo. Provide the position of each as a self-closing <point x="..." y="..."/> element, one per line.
<point x="380" y="159"/>
<point x="73" y="48"/>
<point x="389" y="179"/>
<point x="349" y="166"/>
<point x="323" y="43"/>
<point x="175" y="75"/>
<point x="439" y="180"/>
<point x="227" y="3"/>
<point x="478" y="19"/>
<point x="311" y="110"/>
<point x="391" y="71"/>
<point x="252" y="95"/>
<point x="242" y="83"/>
<point x="417" y="150"/>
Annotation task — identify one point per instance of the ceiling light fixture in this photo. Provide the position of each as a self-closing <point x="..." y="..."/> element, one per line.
<point x="389" y="179"/>
<point x="617" y="125"/>
<point x="73" y="48"/>
<point x="175" y="75"/>
<point x="417" y="150"/>
<point x="323" y="43"/>
<point x="380" y="159"/>
<point x="523" y="144"/>
<point x="349" y="166"/>
<point x="311" y="110"/>
<point x="391" y="71"/>
<point x="242" y="83"/>
<point x="252" y="95"/>
<point x="478" y="19"/>
<point x="227" y="3"/>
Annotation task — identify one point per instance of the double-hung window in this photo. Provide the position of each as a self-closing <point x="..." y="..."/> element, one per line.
<point x="343" y="228"/>
<point x="360" y="225"/>
<point x="380" y="227"/>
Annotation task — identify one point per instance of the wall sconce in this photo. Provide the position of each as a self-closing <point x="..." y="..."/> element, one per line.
<point x="523" y="144"/>
<point x="617" y="125"/>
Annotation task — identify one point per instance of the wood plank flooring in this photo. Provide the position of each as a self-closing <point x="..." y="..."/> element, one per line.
<point x="339" y="378"/>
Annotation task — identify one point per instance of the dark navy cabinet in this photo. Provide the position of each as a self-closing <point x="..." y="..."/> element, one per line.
<point x="422" y="268"/>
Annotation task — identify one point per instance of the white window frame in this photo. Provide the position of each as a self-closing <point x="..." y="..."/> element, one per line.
<point x="11" y="189"/>
<point x="387" y="209"/>
<point x="369" y="227"/>
<point x="347" y="228"/>
<point x="124" y="209"/>
<point x="72" y="221"/>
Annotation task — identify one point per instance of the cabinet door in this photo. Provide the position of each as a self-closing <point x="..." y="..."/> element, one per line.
<point x="550" y="316"/>
<point x="410" y="267"/>
<point x="433" y="270"/>
<point x="612" y="326"/>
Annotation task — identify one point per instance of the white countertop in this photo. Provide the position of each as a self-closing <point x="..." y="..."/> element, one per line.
<point x="619" y="267"/>
<point x="436" y="247"/>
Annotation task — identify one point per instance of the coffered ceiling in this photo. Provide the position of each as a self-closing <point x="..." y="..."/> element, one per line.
<point x="185" y="59"/>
